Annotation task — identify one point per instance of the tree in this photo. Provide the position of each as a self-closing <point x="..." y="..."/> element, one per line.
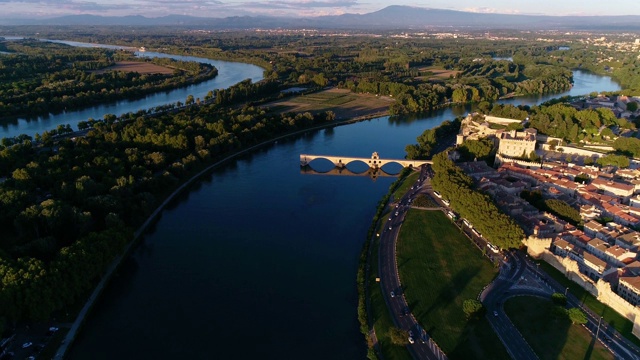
<point x="607" y="133"/>
<point x="577" y="316"/>
<point x="559" y="299"/>
<point x="472" y="308"/>
<point x="533" y="156"/>
<point x="398" y="336"/>
<point x="477" y="149"/>
<point x="320" y="80"/>
<point x="568" y="159"/>
<point x="632" y="106"/>
<point x="615" y="160"/>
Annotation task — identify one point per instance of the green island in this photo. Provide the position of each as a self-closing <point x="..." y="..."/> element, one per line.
<point x="70" y="205"/>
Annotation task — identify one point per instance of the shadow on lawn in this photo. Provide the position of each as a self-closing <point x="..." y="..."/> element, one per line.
<point x="450" y="292"/>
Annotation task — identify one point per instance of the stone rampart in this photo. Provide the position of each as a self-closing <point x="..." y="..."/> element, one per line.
<point x="539" y="249"/>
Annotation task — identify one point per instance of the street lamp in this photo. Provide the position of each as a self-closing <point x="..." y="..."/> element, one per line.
<point x="598" y="330"/>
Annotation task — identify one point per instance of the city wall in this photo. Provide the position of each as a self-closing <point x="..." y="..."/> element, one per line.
<point x="539" y="249"/>
<point x="503" y="159"/>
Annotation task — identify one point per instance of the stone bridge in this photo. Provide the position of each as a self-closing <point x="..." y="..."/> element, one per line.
<point x="374" y="161"/>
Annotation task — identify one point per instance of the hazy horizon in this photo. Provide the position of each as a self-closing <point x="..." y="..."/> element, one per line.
<point x="34" y="9"/>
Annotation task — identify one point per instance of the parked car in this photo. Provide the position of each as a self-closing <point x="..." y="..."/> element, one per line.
<point x="393" y="294"/>
<point x="411" y="341"/>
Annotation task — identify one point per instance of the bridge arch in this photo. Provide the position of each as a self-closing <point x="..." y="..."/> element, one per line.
<point x="373" y="162"/>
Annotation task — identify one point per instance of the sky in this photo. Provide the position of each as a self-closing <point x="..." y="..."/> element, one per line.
<point x="299" y="8"/>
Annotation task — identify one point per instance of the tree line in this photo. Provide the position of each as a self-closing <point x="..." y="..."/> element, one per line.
<point x="471" y="204"/>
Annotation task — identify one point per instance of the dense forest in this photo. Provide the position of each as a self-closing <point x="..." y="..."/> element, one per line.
<point x="69" y="204"/>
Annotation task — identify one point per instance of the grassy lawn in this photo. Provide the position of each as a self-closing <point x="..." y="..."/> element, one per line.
<point x="380" y="316"/>
<point x="439" y="269"/>
<point x="342" y="102"/>
<point x="617" y="321"/>
<point x="325" y="98"/>
<point x="552" y="336"/>
<point x="425" y="201"/>
<point x="406" y="185"/>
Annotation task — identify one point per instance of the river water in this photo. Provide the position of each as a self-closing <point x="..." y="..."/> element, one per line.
<point x="258" y="260"/>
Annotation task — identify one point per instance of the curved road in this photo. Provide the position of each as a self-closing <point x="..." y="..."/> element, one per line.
<point x="519" y="269"/>
<point x="494" y="295"/>
<point x="621" y="347"/>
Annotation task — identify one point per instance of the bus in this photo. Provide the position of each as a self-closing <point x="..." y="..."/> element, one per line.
<point x="493" y="248"/>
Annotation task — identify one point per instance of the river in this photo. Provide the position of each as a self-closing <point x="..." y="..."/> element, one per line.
<point x="258" y="260"/>
<point x="229" y="73"/>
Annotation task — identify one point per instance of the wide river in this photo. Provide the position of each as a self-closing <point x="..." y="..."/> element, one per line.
<point x="258" y="260"/>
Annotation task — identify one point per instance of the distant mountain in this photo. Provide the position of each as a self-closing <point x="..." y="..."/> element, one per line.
<point x="391" y="17"/>
<point x="399" y="17"/>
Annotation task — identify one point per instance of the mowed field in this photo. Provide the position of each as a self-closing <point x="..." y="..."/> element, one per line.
<point x="344" y="103"/>
<point x="439" y="269"/>
<point x="437" y="74"/>
<point x="139" y="67"/>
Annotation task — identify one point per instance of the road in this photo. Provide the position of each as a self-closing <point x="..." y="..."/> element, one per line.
<point x="520" y="276"/>
<point x="423" y="347"/>
<point x="621" y="347"/>
<point x="493" y="297"/>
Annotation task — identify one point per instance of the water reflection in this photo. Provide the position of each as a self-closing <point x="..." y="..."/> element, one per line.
<point x="373" y="173"/>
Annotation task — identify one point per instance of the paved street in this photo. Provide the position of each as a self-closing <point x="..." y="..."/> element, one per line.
<point x="423" y="348"/>
<point x="607" y="335"/>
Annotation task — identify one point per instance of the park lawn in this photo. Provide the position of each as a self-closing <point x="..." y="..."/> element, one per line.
<point x="439" y="269"/>
<point x="552" y="337"/>
<point x="380" y="316"/>
<point x="623" y="325"/>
